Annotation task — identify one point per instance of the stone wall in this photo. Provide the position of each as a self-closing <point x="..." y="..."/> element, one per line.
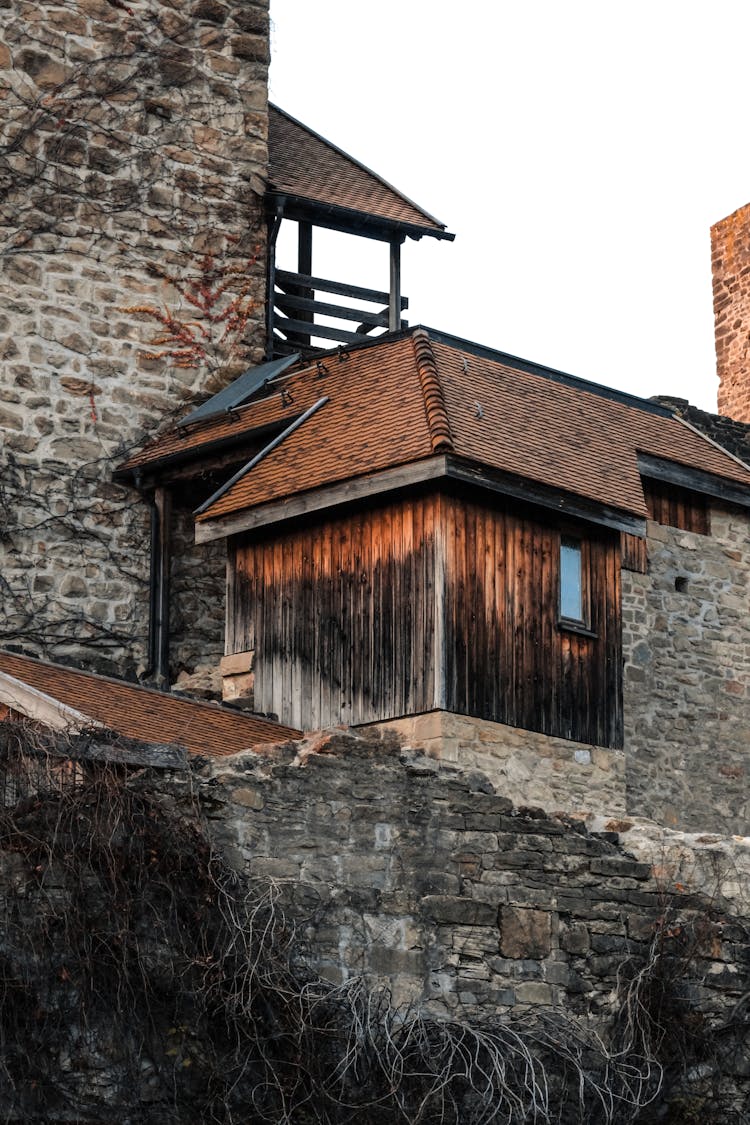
<point x="526" y="767"/>
<point x="134" y="143"/>
<point x="686" y="644"/>
<point x="413" y="876"/>
<point x="730" y="262"/>
<point x="421" y="877"/>
<point x="197" y="601"/>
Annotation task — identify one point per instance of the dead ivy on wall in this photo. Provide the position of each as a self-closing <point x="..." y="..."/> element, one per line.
<point x="222" y="297"/>
<point x="120" y="211"/>
<point x="93" y="165"/>
<point x="142" y="980"/>
<point x="80" y="511"/>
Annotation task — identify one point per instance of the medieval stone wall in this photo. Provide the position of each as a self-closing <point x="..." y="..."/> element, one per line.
<point x="132" y="160"/>
<point x="414" y="887"/>
<point x="686" y="645"/>
<point x="526" y="767"/>
<point x="420" y="876"/>
<point x="730" y="262"/>
<point x="197" y="606"/>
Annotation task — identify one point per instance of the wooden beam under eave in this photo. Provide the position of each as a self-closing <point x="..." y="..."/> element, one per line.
<point x="318" y="500"/>
<point x="434" y="468"/>
<point x="696" y="480"/>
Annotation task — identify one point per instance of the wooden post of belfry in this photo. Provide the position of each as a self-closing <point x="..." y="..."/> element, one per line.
<point x="394" y="306"/>
<point x="304" y="266"/>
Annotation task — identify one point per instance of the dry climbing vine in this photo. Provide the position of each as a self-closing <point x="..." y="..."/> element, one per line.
<point x="142" y="980"/>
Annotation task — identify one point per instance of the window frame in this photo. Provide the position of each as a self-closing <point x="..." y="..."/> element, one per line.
<point x="582" y="624"/>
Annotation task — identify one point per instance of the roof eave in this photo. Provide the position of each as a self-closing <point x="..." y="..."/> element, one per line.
<point x="441" y="467"/>
<point x="347" y="220"/>
<point x="358" y="164"/>
<point x="697" y="480"/>
<point x="135" y="474"/>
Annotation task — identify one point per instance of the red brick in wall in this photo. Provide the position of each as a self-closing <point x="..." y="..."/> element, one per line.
<point x="730" y="263"/>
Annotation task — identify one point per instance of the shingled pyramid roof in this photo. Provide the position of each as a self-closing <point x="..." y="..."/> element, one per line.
<point x="306" y="167"/>
<point x="418" y="395"/>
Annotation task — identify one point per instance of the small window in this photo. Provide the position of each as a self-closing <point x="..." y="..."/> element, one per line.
<point x="571" y="580"/>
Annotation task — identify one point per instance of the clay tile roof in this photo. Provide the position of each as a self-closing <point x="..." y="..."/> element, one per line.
<point x="375" y="418"/>
<point x="409" y="396"/>
<point x="305" y="165"/>
<point x="182" y="443"/>
<point x="147" y="715"/>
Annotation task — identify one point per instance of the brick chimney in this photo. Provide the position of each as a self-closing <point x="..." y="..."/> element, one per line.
<point x="730" y="264"/>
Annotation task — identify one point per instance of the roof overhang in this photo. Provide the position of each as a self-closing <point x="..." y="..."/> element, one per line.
<point x="300" y="209"/>
<point x="42" y="708"/>
<point x="697" y="480"/>
<point x="145" y="475"/>
<point x="441" y="468"/>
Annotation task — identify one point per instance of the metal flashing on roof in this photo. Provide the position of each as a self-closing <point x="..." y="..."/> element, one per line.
<point x="295" y="425"/>
<point x="246" y="385"/>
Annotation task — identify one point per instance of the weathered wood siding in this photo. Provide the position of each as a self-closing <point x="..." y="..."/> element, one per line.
<point x="428" y="602"/>
<point x="506" y="656"/>
<point x="341" y="615"/>
<point x="634" y="552"/>
<point x="673" y="506"/>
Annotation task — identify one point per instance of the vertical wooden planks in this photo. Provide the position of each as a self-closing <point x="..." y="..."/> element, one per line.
<point x="438" y="655"/>
<point x="507" y="657"/>
<point x="429" y="601"/>
<point x="673" y="506"/>
<point x="343" y="614"/>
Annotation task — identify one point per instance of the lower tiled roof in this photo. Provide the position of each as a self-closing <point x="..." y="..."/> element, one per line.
<point x="145" y="714"/>
<point x="402" y="399"/>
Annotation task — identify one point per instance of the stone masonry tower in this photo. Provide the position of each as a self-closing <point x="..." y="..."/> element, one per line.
<point x="730" y="262"/>
<point x="133" y="156"/>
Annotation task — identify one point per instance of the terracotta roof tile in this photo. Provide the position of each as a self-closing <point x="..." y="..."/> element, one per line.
<point x="234" y="425"/>
<point x="375" y="418"/>
<point x="305" y="165"/>
<point x="390" y="402"/>
<point x="563" y="435"/>
<point x="145" y="714"/>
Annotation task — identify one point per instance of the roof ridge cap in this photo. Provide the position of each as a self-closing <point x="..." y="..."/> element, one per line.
<point x="438" y="422"/>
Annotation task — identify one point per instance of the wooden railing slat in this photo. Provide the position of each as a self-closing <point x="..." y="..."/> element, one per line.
<point x="288" y="303"/>
<point x="323" y="331"/>
<point x="342" y="289"/>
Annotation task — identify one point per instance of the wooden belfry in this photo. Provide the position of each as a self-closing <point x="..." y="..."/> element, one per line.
<point x="315" y="184"/>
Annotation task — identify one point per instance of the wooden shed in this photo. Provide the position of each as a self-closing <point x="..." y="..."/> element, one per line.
<point x="439" y="526"/>
<point x="415" y="522"/>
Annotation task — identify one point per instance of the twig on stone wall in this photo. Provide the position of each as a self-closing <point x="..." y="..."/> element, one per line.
<point x="142" y="979"/>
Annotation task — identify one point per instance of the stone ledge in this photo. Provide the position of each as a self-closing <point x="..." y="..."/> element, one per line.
<point x="236" y="663"/>
<point x="530" y="768"/>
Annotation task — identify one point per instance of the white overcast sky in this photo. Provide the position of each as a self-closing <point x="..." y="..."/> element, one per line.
<point x="579" y="149"/>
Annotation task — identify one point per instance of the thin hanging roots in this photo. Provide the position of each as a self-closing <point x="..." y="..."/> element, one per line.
<point x="143" y="981"/>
